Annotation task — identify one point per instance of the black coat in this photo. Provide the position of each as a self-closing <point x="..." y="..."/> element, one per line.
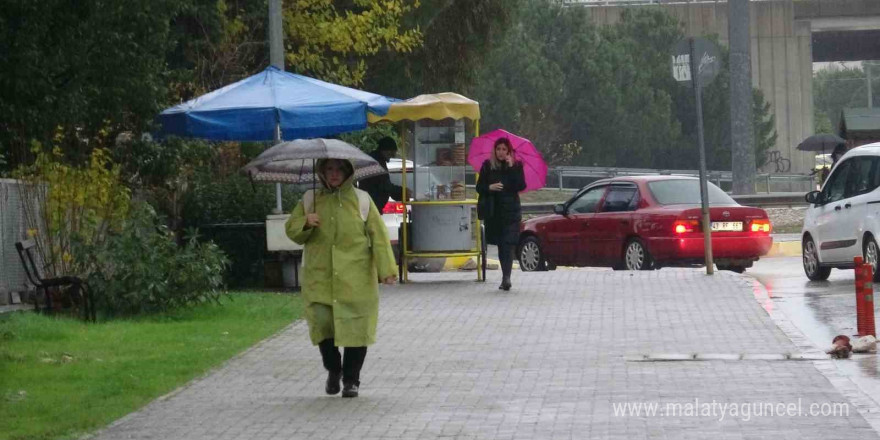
<point x="502" y="222"/>
<point x="380" y="187"/>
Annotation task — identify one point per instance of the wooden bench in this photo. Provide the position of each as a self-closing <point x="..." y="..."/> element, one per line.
<point x="78" y="292"/>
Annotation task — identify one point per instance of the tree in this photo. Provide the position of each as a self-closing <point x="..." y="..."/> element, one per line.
<point x="215" y="43"/>
<point x="604" y="96"/>
<point x="627" y="95"/>
<point x="519" y="87"/>
<point x="457" y="36"/>
<point x="75" y="74"/>
<point x="716" y="120"/>
<point x="332" y="42"/>
<point x="576" y="90"/>
<point x="836" y="88"/>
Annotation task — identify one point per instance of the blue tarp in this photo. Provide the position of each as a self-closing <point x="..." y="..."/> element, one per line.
<point x="248" y="110"/>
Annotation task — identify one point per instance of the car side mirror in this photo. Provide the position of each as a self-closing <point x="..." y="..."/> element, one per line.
<point x="559" y="209"/>
<point x="813" y="197"/>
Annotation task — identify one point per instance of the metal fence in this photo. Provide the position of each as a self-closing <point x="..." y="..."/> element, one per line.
<point x="12" y="230"/>
<point x="251" y="265"/>
<point x="573" y="178"/>
<point x="596" y="3"/>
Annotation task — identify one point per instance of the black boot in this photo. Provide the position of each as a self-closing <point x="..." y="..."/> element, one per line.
<point x="333" y="363"/>
<point x="505" y="284"/>
<point x="351" y="370"/>
<point x="505" y="255"/>
<point x="350" y="389"/>
<point x="333" y="380"/>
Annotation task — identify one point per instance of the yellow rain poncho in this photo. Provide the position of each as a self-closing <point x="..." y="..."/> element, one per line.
<point x="343" y="261"/>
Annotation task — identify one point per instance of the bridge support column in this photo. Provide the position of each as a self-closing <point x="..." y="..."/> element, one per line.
<point x="741" y="127"/>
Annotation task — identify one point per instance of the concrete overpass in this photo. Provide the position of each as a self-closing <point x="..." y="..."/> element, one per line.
<point x="787" y="37"/>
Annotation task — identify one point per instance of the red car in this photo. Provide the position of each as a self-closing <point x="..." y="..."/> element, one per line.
<point x="644" y="223"/>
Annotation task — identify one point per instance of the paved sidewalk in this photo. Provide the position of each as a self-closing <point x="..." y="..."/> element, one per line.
<point x="550" y="359"/>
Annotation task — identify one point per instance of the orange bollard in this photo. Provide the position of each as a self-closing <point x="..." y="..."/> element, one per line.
<point x="864" y="297"/>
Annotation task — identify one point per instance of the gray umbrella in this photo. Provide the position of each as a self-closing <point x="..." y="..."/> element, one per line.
<point x="821" y="142"/>
<point x="294" y="161"/>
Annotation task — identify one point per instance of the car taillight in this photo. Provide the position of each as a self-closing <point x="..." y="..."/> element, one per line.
<point x="685" y="226"/>
<point x="761" y="225"/>
<point x="393" y="208"/>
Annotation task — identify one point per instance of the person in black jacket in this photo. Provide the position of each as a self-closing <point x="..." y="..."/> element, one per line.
<point x="500" y="181"/>
<point x="380" y="187"/>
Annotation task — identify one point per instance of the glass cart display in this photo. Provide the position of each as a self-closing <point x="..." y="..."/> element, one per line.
<point x="440" y="221"/>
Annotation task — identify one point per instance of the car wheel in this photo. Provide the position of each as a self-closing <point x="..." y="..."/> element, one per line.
<point x="531" y="258"/>
<point x="871" y="254"/>
<point x="814" y="271"/>
<point x="737" y="269"/>
<point x="636" y="256"/>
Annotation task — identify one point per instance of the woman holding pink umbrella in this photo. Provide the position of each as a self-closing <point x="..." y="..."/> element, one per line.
<point x="500" y="181"/>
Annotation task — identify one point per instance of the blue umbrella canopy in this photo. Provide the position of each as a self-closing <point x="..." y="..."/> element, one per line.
<point x="249" y="110"/>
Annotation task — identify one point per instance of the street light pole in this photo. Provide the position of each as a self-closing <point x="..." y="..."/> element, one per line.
<point x="276" y="58"/>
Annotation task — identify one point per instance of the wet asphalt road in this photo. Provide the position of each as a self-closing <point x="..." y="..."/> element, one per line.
<point x="820" y="310"/>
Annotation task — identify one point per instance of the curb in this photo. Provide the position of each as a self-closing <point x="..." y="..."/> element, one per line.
<point x="784" y="249"/>
<point x="778" y="249"/>
<point x="864" y="404"/>
<point x="454" y="263"/>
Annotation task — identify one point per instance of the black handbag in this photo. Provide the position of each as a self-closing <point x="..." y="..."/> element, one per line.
<point x="485" y="207"/>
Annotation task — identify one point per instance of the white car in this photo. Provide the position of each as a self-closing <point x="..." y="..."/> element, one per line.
<point x="843" y="220"/>
<point x="393" y="215"/>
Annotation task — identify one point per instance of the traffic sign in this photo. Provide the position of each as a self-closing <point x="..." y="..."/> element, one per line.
<point x="709" y="61"/>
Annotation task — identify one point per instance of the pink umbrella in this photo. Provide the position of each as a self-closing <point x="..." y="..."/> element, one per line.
<point x="534" y="167"/>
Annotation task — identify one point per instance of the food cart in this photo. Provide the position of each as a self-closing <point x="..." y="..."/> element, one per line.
<point x="440" y="222"/>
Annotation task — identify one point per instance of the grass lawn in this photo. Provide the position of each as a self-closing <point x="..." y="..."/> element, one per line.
<point x="60" y="378"/>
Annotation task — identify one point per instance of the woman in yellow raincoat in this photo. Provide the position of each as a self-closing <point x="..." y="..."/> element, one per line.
<point x="344" y="259"/>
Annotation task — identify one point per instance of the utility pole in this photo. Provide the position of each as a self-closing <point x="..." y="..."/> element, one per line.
<point x="742" y="130"/>
<point x="276" y="58"/>
<point x="867" y="66"/>
<point x="276" y="35"/>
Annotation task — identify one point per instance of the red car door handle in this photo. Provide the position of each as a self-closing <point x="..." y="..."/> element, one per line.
<point x="624" y="222"/>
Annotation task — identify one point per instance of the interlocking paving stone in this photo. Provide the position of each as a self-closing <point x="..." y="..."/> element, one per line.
<point x="549" y="359"/>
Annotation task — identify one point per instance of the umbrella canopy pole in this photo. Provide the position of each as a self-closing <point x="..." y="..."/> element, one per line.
<point x="278" y="208"/>
<point x="314" y="186"/>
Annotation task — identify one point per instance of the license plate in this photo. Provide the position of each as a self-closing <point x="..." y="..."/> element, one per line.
<point x="727" y="226"/>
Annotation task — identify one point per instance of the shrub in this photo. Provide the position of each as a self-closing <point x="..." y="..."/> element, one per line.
<point x="63" y="203"/>
<point x="232" y="212"/>
<point x="141" y="269"/>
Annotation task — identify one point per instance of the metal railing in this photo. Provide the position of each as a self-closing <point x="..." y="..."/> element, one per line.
<point x="595" y="3"/>
<point x="574" y="178"/>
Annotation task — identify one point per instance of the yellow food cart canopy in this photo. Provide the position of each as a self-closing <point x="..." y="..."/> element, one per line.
<point x="435" y="106"/>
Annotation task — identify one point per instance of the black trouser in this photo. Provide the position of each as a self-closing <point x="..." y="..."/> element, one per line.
<point x="505" y="256"/>
<point x="350" y="365"/>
